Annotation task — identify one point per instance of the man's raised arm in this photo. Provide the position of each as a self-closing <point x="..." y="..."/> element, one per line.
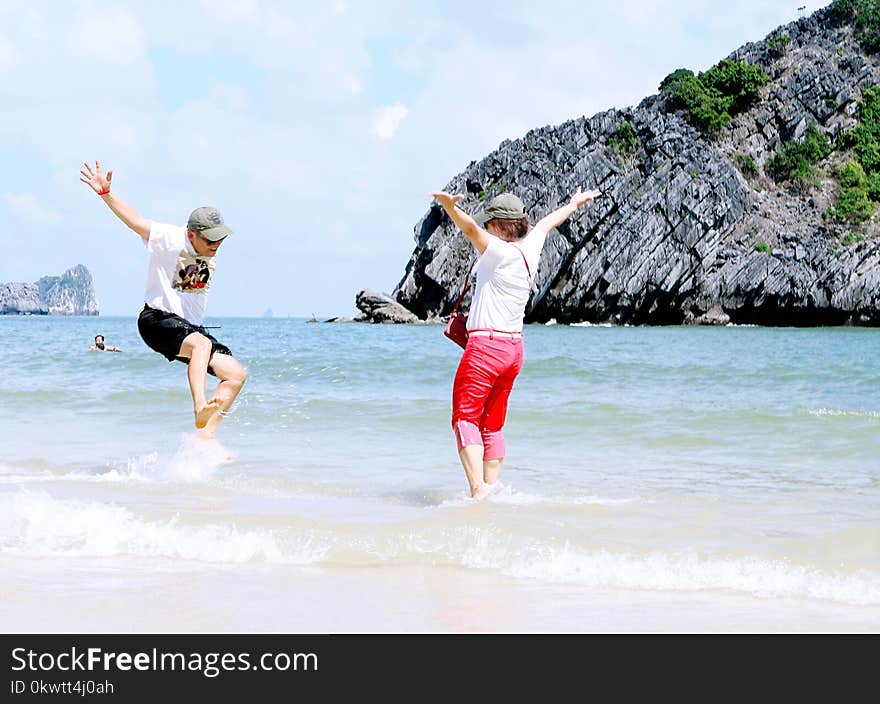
<point x="100" y="184"/>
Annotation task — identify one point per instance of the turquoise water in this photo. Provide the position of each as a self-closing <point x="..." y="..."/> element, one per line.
<point x="740" y="460"/>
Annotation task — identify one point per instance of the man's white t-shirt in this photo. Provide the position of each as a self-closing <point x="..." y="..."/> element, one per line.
<point x="178" y="279"/>
<point x="503" y="284"/>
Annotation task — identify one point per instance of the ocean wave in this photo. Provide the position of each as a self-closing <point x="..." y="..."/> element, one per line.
<point x="820" y="412"/>
<point x="498" y="494"/>
<point x="13" y="472"/>
<point x="605" y="501"/>
<point x="689" y="572"/>
<point x="507" y="495"/>
<point x="193" y="461"/>
<point x="36" y="524"/>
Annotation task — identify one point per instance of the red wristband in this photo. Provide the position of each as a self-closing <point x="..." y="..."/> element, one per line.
<point x="104" y="192"/>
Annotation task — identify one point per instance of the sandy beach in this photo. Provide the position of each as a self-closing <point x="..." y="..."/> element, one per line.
<point x="73" y="598"/>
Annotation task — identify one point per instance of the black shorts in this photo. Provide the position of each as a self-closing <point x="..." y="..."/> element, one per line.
<point x="164" y="333"/>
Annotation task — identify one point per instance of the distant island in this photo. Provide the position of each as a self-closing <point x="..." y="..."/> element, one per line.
<point x="744" y="194"/>
<point x="72" y="293"/>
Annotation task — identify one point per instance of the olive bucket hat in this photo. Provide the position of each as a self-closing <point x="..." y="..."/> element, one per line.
<point x="504" y="207"/>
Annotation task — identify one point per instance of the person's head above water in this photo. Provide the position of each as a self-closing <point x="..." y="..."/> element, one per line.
<point x="505" y="217"/>
<point x="99" y="341"/>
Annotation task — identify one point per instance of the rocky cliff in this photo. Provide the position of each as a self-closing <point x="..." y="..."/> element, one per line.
<point x="691" y="228"/>
<point x="72" y="293"/>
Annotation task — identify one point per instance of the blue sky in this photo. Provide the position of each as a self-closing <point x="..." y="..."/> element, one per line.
<point x="316" y="128"/>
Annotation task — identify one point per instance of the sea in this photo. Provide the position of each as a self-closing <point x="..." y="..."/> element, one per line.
<point x="658" y="479"/>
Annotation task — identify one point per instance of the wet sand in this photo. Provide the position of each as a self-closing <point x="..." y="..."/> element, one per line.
<point x="147" y="596"/>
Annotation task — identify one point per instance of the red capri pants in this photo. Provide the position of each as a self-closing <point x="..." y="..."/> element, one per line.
<point x="482" y="386"/>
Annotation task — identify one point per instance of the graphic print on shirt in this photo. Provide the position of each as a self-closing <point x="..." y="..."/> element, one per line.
<point x="193" y="273"/>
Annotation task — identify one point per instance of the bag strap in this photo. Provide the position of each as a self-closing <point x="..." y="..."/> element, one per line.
<point x="528" y="273"/>
<point x="464" y="288"/>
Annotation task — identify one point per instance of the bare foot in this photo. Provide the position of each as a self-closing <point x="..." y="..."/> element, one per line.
<point x="481" y="492"/>
<point x="204" y="413"/>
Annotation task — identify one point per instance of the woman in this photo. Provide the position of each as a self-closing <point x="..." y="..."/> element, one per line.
<point x="509" y="254"/>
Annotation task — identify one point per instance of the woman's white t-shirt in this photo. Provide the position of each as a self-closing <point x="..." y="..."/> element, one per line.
<point x="178" y="278"/>
<point x="503" y="284"/>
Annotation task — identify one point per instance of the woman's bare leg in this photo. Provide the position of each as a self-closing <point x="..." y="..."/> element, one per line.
<point x="472" y="460"/>
<point x="492" y="470"/>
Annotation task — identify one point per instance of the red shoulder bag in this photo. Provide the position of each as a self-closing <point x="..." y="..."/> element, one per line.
<point x="456" y="326"/>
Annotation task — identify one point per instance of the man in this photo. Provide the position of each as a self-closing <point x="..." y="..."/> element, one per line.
<point x="178" y="278"/>
<point x="100" y="346"/>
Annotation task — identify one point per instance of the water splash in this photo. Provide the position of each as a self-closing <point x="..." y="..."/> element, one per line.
<point x="196" y="460"/>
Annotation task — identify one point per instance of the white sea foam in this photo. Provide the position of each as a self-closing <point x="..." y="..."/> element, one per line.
<point x="586" y="324"/>
<point x="139" y="468"/>
<point x="196" y="460"/>
<point x="602" y="501"/>
<point x="689" y="572"/>
<point x="499" y="493"/>
<point x="460" y="499"/>
<point x="504" y="494"/>
<point x="533" y="558"/>
<point x="32" y="523"/>
<point x="840" y="412"/>
<point x="12" y="474"/>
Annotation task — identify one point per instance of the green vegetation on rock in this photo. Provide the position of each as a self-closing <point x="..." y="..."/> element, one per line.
<point x="853" y="203"/>
<point x="624" y="139"/>
<point x="714" y="96"/>
<point x="747" y="165"/>
<point x="849" y="239"/>
<point x="864" y="16"/>
<point x="795" y="159"/>
<point x="864" y="138"/>
<point x="859" y="180"/>
<point x="779" y="44"/>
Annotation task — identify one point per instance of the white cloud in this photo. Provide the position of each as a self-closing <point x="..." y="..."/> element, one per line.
<point x="388" y="119"/>
<point x="113" y="35"/>
<point x="27" y="207"/>
<point x="231" y="10"/>
<point x="310" y="49"/>
<point x="273" y="98"/>
<point x="8" y="55"/>
<point x="408" y="59"/>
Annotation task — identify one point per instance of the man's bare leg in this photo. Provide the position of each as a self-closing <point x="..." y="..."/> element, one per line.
<point x="197" y="348"/>
<point x="232" y="377"/>
<point x="472" y="460"/>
